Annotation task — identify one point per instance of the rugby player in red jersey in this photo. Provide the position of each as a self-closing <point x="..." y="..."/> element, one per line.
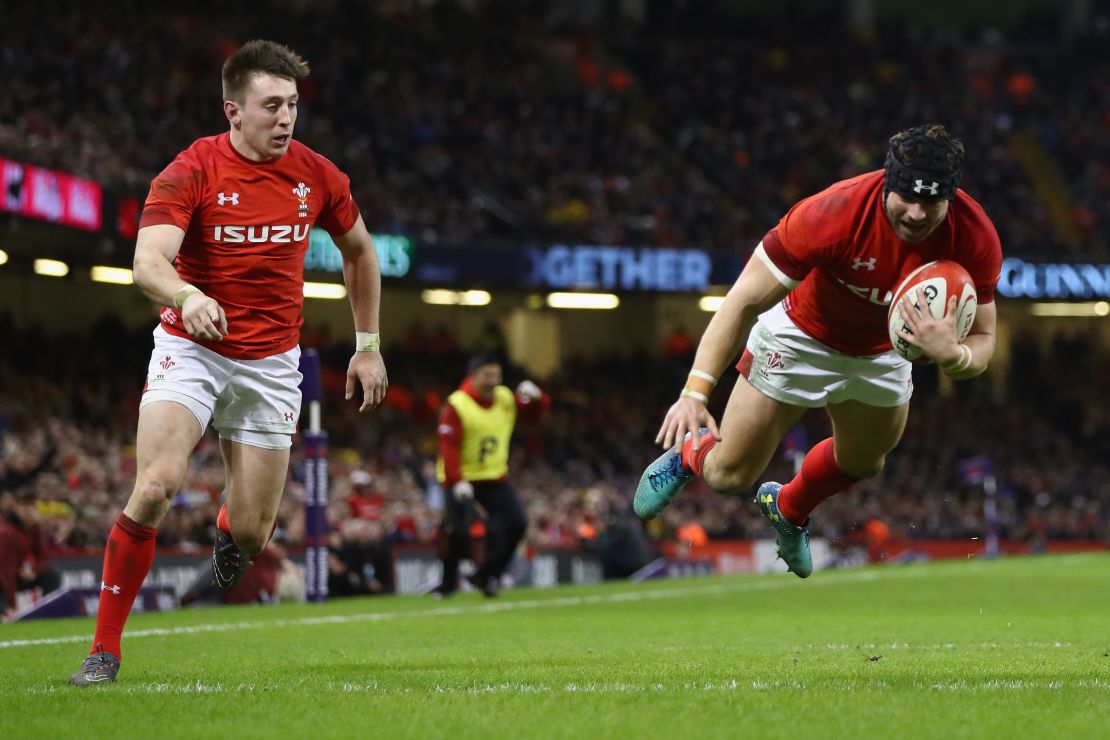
<point x="812" y="307"/>
<point x="221" y="246"/>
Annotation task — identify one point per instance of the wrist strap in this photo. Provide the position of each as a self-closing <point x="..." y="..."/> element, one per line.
<point x="963" y="363"/>
<point x="966" y="363"/>
<point x="183" y="294"/>
<point x="703" y="376"/>
<point x="695" y="395"/>
<point x="367" y="341"/>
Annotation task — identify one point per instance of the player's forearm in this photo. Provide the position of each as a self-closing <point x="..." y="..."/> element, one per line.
<point x="156" y="277"/>
<point x="364" y="287"/>
<point x="756" y="290"/>
<point x="727" y="332"/>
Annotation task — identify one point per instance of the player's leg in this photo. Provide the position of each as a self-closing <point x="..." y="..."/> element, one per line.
<point x="504" y="530"/>
<point x="863" y="435"/>
<point x="256" y="418"/>
<point x="256" y="476"/>
<point x="254" y="487"/>
<point x="754" y="425"/>
<point x="751" y="428"/>
<point x="167" y="433"/>
<point x="778" y="382"/>
<point x="868" y="403"/>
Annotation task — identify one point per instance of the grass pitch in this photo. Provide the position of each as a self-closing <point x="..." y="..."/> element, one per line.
<point x="1009" y="649"/>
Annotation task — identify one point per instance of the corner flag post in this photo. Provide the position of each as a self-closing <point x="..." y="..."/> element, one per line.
<point x="315" y="483"/>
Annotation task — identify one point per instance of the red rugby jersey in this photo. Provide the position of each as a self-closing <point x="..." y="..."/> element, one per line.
<point x="839" y="253"/>
<point x="246" y="232"/>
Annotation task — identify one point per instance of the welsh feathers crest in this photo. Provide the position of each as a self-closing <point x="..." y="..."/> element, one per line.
<point x="302" y="191"/>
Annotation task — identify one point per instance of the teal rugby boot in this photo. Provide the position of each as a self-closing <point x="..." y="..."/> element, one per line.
<point x="661" y="482"/>
<point x="793" y="541"/>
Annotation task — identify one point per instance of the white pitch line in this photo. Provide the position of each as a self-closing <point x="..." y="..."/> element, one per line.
<point x="592" y="687"/>
<point x="940" y="646"/>
<point x="451" y="611"/>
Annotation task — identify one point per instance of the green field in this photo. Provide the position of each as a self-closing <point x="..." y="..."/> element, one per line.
<point x="1010" y="649"/>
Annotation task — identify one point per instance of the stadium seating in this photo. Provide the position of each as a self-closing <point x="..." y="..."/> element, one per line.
<point x="486" y="125"/>
<point x="67" y="432"/>
<point x="491" y="125"/>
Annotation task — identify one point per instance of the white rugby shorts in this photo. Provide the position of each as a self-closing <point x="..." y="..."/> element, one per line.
<point x="785" y="363"/>
<point x="255" y="402"/>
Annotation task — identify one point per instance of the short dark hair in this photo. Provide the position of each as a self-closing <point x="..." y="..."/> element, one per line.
<point x="929" y="147"/>
<point x="260" y="57"/>
<point x="481" y="360"/>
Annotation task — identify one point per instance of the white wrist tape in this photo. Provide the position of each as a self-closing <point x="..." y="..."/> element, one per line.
<point x="183" y="294"/>
<point x="695" y="395"/>
<point x="704" y="376"/>
<point x="966" y="363"/>
<point x="367" y="341"/>
<point x="963" y="363"/>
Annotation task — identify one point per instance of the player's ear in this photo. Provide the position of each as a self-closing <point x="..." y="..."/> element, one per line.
<point x="231" y="110"/>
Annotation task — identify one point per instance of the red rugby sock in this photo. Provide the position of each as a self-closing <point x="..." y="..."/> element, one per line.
<point x="222" y="521"/>
<point x="695" y="461"/>
<point x="819" y="479"/>
<point x="127" y="560"/>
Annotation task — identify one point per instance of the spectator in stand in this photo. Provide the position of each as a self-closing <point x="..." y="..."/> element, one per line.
<point x="364" y="501"/>
<point x="494" y="134"/>
<point x="359" y="562"/>
<point x="25" y="550"/>
<point x="1049" y="451"/>
<point x="12" y="555"/>
<point x="679" y="345"/>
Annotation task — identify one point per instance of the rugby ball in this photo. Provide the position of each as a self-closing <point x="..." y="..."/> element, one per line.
<point x="935" y="282"/>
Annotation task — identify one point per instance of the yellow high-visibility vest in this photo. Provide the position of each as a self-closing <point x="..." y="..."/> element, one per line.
<point x="484" y="450"/>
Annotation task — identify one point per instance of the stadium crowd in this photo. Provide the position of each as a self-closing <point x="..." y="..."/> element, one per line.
<point x="67" y="458"/>
<point x="503" y="122"/>
<point x="500" y="121"/>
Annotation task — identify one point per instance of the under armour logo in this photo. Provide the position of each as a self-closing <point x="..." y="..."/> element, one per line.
<point x="920" y="187"/>
<point x="105" y="587"/>
<point x="869" y="264"/>
<point x="233" y="199"/>
<point x="289" y="416"/>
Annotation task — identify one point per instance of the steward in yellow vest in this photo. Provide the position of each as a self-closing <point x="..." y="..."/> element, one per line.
<point x="475" y="427"/>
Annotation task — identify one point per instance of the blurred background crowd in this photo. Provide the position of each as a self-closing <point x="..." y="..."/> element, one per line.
<point x="68" y="408"/>
<point x="511" y="122"/>
<point x="485" y="121"/>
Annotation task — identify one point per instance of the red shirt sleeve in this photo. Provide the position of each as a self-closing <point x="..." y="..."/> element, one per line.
<point x="450" y="431"/>
<point x="809" y="234"/>
<point x="530" y="410"/>
<point x="175" y="194"/>
<point x="339" y="213"/>
<point x="787" y="245"/>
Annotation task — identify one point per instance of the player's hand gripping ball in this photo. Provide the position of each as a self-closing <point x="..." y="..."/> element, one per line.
<point x="935" y="282"/>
